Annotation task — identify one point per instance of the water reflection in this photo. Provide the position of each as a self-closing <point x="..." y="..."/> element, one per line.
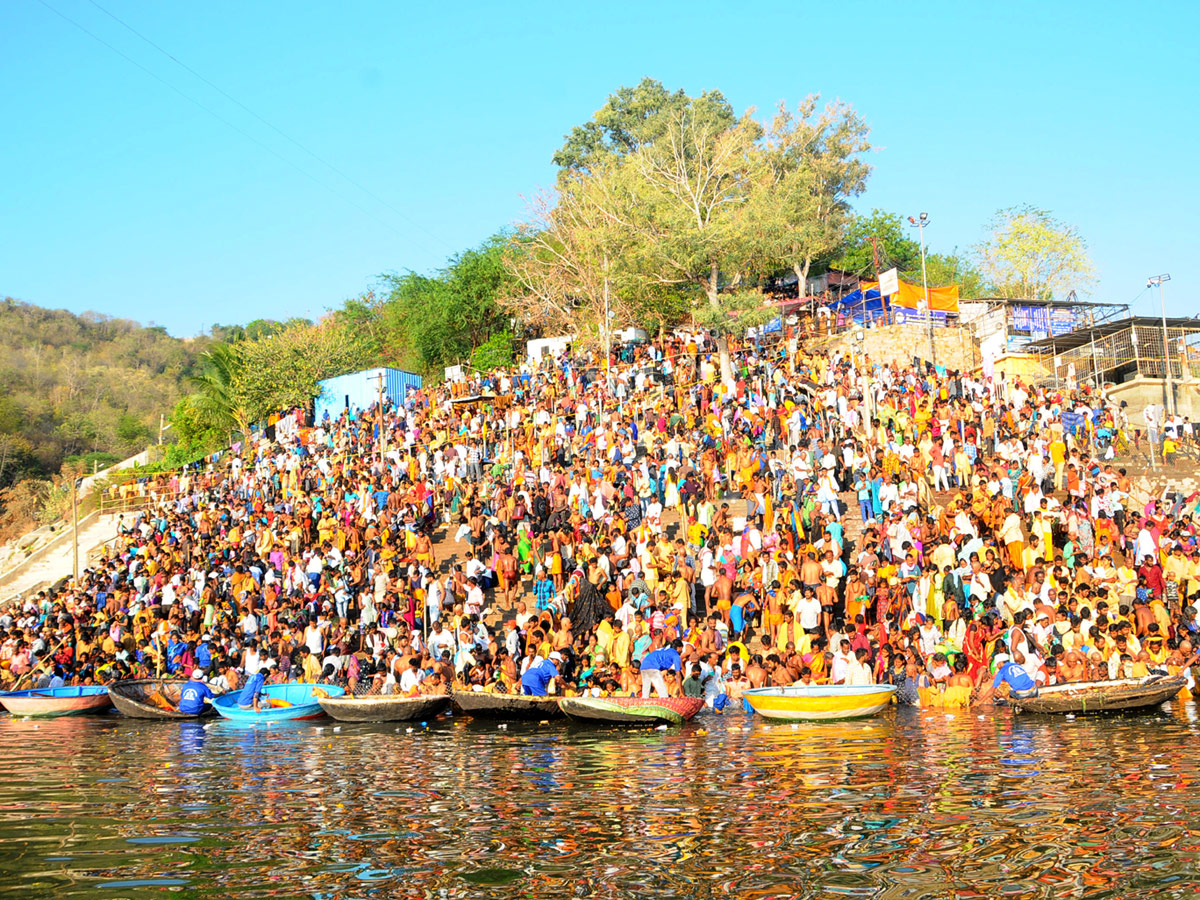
<point x="911" y="804"/>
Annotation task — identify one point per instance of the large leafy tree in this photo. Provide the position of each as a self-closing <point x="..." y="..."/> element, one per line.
<point x="815" y="165"/>
<point x="282" y="370"/>
<point x="567" y="260"/>
<point x="431" y="321"/>
<point x="689" y="215"/>
<point x="1031" y="255"/>
<point x="637" y="117"/>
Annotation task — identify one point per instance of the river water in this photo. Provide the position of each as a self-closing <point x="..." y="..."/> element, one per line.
<point x="910" y="804"/>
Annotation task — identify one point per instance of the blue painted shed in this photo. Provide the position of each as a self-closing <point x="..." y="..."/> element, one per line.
<point x="360" y="390"/>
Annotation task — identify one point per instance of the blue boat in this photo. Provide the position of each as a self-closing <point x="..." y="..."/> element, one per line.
<point x="284" y="702"/>
<point x="74" y="700"/>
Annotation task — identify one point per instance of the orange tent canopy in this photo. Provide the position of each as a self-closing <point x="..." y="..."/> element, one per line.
<point x="911" y="296"/>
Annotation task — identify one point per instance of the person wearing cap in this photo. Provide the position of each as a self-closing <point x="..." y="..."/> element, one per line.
<point x="195" y="694"/>
<point x="538" y="678"/>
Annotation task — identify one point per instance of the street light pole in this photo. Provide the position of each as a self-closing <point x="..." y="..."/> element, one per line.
<point x="1151" y="282"/>
<point x="75" y="525"/>
<point x="920" y="224"/>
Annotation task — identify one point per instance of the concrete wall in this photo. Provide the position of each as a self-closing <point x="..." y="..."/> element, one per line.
<point x="1140" y="392"/>
<point x="954" y="348"/>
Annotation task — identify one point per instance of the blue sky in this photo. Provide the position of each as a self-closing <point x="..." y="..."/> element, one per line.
<point x="124" y="193"/>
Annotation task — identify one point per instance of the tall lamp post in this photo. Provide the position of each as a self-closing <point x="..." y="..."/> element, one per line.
<point x="920" y="224"/>
<point x="1151" y="282"/>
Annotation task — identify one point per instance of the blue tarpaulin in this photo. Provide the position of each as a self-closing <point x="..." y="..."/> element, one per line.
<point x="873" y="308"/>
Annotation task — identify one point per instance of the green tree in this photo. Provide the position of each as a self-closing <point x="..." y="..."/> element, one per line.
<point x="566" y="263"/>
<point x="441" y="319"/>
<point x="815" y="166"/>
<point x="282" y="371"/>
<point x="218" y="404"/>
<point x="876" y="243"/>
<point x="944" y="269"/>
<point x="131" y="431"/>
<point x="637" y="117"/>
<point x="686" y="203"/>
<point x="494" y="353"/>
<point x="1031" y="255"/>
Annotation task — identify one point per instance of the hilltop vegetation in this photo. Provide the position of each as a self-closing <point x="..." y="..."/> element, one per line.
<point x="82" y="388"/>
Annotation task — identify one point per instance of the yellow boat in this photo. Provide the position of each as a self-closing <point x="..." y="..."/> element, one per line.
<point x="801" y="703"/>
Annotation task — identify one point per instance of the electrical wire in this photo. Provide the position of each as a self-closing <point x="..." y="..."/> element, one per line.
<point x="229" y="124"/>
<point x="287" y="137"/>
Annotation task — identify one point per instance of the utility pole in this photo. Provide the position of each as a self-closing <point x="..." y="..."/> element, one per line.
<point x="920" y="226"/>
<point x="379" y="413"/>
<point x="75" y="523"/>
<point x="607" y="333"/>
<point x="1151" y="282"/>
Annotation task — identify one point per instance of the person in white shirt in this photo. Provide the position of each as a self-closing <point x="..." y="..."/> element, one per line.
<point x="808" y="609"/>
<point x="411" y="678"/>
<point x="841" y="663"/>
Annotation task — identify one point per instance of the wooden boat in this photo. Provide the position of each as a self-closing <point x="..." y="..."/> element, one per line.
<point x="1102" y="696"/>
<point x="151" y="698"/>
<point x="800" y="703"/>
<point x="383" y="708"/>
<point x="74" y="700"/>
<point x="284" y="703"/>
<point x="506" y="707"/>
<point x="632" y="710"/>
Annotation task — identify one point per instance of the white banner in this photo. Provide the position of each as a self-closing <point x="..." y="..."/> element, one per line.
<point x="889" y="282"/>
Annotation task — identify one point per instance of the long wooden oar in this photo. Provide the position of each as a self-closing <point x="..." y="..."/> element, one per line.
<point x="47" y="658"/>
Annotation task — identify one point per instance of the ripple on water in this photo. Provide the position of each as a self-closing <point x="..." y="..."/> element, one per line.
<point x="902" y="805"/>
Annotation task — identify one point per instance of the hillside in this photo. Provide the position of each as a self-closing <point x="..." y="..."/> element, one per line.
<point x="78" y="388"/>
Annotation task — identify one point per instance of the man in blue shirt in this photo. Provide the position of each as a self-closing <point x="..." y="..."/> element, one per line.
<point x="194" y="694"/>
<point x="1017" y="679"/>
<point x="655" y="663"/>
<point x="537" y="678"/>
<point x="251" y="695"/>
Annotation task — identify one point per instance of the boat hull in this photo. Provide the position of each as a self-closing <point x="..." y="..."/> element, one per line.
<point x="506" y="707"/>
<point x="54" y="702"/>
<point x="1085" y="698"/>
<point x="819" y="703"/>
<point x="302" y="702"/>
<point x="384" y="709"/>
<point x="131" y="698"/>
<point x="632" y="711"/>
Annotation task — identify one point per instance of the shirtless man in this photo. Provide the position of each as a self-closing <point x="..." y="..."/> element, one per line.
<point x="1073" y="667"/>
<point x="563" y="637"/>
<point x="423" y="550"/>
<point x="722" y="591"/>
<point x="755" y="673"/>
<point x="506" y="568"/>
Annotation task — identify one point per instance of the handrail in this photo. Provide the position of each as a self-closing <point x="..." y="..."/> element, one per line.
<point x="36" y="556"/>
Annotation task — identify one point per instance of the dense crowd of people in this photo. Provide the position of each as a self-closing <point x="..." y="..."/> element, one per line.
<point x="642" y="524"/>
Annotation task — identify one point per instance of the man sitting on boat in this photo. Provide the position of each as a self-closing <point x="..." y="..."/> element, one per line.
<point x="537" y="678"/>
<point x="194" y="694"/>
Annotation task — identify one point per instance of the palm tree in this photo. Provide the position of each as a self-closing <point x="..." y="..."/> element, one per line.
<point x="217" y="401"/>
